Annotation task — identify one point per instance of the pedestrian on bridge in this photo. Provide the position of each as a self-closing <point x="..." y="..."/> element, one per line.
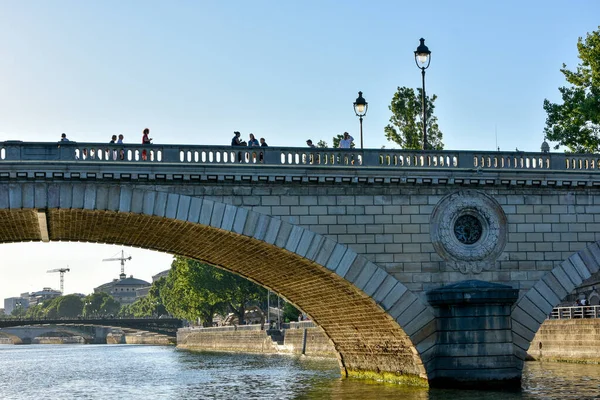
<point x="146" y="140"/>
<point x="346" y="142"/>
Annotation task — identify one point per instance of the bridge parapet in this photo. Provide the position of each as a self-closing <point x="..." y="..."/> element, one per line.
<point x="291" y="156"/>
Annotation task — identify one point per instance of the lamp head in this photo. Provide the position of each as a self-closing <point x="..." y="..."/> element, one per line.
<point x="422" y="55"/>
<point x="360" y="106"/>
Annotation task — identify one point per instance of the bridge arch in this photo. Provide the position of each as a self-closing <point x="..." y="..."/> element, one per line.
<point x="532" y="309"/>
<point x="375" y="323"/>
<point x="26" y="334"/>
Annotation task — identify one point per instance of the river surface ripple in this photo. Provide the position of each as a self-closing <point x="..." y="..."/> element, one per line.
<point x="153" y="372"/>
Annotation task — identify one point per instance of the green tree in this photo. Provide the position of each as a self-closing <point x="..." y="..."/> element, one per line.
<point x="148" y="306"/>
<point x="406" y="123"/>
<point x="193" y="291"/>
<point x="19" y="311"/>
<point x="322" y="144"/>
<point x="576" y="122"/>
<point x="100" y="304"/>
<point x="70" y="306"/>
<point x="290" y="313"/>
<point x="240" y="292"/>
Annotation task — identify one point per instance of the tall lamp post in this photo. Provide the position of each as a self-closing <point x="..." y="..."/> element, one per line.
<point x="360" y="108"/>
<point x="422" y="59"/>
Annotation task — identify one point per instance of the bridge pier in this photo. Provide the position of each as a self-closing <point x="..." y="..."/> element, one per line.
<point x="474" y="346"/>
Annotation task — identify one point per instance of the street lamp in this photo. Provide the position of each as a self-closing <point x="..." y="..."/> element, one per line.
<point x="360" y="108"/>
<point x="422" y="59"/>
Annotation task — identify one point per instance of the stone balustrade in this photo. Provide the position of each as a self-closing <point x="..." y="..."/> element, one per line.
<point x="292" y="156"/>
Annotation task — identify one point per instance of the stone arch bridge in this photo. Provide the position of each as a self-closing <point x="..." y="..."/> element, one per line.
<point x="419" y="266"/>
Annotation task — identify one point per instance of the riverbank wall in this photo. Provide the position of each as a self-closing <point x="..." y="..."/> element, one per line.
<point x="298" y="339"/>
<point x="567" y="340"/>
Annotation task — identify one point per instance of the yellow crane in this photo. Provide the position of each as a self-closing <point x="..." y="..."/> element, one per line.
<point x="122" y="259"/>
<point x="62" y="276"/>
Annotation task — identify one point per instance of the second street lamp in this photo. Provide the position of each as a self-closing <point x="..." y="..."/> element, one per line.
<point x="422" y="59"/>
<point x="360" y="108"/>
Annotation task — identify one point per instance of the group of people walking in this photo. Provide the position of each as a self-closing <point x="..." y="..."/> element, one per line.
<point x="345" y="142"/>
<point x="146" y="139"/>
<point x="252" y="141"/>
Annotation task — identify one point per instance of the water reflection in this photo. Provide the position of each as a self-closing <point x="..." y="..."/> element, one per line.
<point x="141" y="372"/>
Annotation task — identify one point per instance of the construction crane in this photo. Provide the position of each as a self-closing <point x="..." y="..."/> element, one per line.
<point x="62" y="276"/>
<point x="122" y="259"/>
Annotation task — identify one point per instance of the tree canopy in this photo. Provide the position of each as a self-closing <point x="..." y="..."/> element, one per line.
<point x="148" y="306"/>
<point x="99" y="305"/>
<point x="406" y="123"/>
<point x="576" y="122"/>
<point x="195" y="290"/>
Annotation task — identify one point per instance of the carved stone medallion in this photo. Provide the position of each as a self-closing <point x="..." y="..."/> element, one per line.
<point x="469" y="231"/>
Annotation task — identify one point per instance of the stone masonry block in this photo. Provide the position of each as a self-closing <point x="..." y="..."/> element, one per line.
<point x="172" y="203"/>
<point x="580" y="266"/>
<point x="114" y="194"/>
<point x="337" y="254"/>
<point x="217" y="215"/>
<point x="4" y="197"/>
<point x="294" y="238"/>
<point x="304" y="242"/>
<point x="385" y="288"/>
<point x="365" y="275"/>
<point x="40" y="199"/>
<point x="550" y="280"/>
<point x="241" y="216"/>
<point x="525" y="331"/>
<point x="28" y="195"/>
<point x="355" y="268"/>
<point x="89" y="197"/>
<point x="561" y="276"/>
<point x="137" y="201"/>
<point x="194" y="210"/>
<point x="393" y="296"/>
<point x="148" y="203"/>
<point x="314" y="247"/>
<point x="283" y="235"/>
<point x="420" y="320"/>
<point x="375" y="281"/>
<point x="228" y="216"/>
<point x="125" y="199"/>
<point x="261" y="226"/>
<point x="403" y="300"/>
<point x="571" y="272"/>
<point x="206" y="212"/>
<point x="160" y="204"/>
<point x="79" y="195"/>
<point x="540" y="302"/>
<point x="523" y="317"/>
<point x="53" y="196"/>
<point x="592" y="254"/>
<point x="546" y="294"/>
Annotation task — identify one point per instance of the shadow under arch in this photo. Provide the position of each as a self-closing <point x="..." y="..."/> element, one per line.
<point x="532" y="309"/>
<point x="378" y="327"/>
<point x="40" y="331"/>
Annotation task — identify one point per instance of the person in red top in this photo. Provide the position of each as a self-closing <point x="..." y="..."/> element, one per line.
<point x="146" y="140"/>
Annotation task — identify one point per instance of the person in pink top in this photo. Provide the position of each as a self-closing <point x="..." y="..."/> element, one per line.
<point x="146" y="140"/>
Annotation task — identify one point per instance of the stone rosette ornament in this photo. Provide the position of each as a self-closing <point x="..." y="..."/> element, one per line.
<point x="469" y="231"/>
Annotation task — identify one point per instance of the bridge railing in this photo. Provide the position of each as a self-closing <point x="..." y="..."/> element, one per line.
<point x="575" y="312"/>
<point x="290" y="156"/>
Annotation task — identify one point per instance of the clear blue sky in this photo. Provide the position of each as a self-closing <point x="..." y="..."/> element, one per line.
<point x="195" y="71"/>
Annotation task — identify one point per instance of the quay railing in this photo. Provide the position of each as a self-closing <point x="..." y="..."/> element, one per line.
<point x="575" y="312"/>
<point x="11" y="151"/>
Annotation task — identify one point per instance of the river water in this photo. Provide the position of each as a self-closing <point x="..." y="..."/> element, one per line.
<point x="152" y="372"/>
